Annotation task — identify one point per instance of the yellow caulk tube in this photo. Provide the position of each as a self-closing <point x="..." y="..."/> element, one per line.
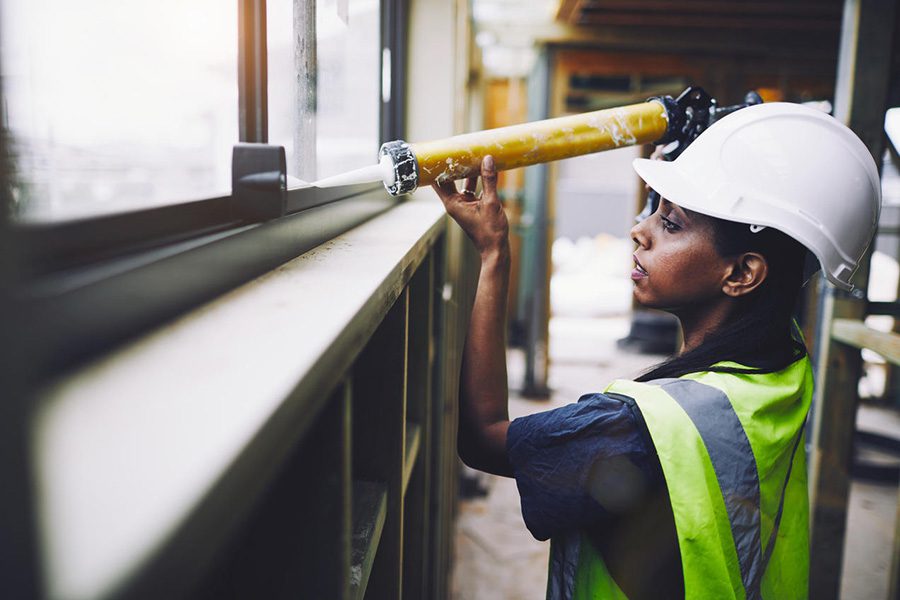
<point x="408" y="166"/>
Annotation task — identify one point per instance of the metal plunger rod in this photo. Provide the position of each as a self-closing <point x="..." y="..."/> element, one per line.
<point x="541" y="141"/>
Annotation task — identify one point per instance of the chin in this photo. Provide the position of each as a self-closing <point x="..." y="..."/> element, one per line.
<point x="653" y="303"/>
<point x="643" y="299"/>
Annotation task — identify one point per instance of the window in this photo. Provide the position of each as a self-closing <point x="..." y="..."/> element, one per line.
<point x="115" y="106"/>
<point x="324" y="94"/>
<point x="123" y="118"/>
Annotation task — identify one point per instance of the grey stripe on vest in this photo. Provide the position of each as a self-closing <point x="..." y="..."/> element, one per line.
<point x="564" y="555"/>
<point x="735" y="467"/>
<point x="771" y="545"/>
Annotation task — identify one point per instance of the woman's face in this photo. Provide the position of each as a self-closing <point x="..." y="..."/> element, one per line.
<point x="676" y="262"/>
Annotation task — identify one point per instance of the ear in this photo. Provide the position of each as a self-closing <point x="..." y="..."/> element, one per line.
<point x="748" y="271"/>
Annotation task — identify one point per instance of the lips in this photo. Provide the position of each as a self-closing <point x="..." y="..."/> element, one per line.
<point x="639" y="268"/>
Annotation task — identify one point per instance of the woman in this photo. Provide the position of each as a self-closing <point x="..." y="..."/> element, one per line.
<point x="689" y="481"/>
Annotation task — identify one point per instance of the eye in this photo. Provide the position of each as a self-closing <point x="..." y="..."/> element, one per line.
<point x="668" y="224"/>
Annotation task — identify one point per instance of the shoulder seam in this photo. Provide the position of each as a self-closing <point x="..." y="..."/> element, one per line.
<point x="643" y="431"/>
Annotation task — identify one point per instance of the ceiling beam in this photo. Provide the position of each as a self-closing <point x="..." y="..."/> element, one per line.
<point x="636" y="18"/>
<point x="812" y="45"/>
<point x="813" y="8"/>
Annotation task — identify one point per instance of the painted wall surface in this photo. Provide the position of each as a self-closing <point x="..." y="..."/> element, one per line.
<point x="432" y="85"/>
<point x="596" y="194"/>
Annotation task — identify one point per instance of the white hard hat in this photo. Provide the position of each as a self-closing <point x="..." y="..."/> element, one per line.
<point x="785" y="166"/>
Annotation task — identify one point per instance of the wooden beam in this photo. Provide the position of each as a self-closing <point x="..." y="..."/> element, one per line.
<point x="569" y="10"/>
<point x="718" y="7"/>
<point x="811" y="45"/>
<point x="710" y="21"/>
<point x="859" y="335"/>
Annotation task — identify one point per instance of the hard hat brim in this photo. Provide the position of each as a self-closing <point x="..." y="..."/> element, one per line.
<point x="669" y="182"/>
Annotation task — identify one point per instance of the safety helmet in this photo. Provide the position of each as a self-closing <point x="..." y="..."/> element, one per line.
<point x="785" y="166"/>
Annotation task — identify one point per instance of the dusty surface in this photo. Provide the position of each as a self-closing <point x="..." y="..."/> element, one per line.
<point x="496" y="557"/>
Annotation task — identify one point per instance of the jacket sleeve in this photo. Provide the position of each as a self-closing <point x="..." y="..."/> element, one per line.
<point x="579" y="464"/>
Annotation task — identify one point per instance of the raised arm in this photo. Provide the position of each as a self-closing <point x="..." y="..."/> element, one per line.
<point x="483" y="413"/>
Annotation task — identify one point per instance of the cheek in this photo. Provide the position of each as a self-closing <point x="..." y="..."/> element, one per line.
<point x="679" y="258"/>
<point x="690" y="263"/>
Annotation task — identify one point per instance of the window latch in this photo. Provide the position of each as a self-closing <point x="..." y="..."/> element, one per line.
<point x="258" y="182"/>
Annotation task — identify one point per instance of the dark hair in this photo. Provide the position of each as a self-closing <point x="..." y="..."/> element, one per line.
<point x="760" y="334"/>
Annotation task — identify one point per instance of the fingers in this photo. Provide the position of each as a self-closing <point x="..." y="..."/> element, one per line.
<point x="448" y="187"/>
<point x="489" y="179"/>
<point x="448" y="192"/>
<point x="445" y="190"/>
<point x="471" y="184"/>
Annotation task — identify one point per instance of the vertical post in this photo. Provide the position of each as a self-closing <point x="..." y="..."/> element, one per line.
<point x="252" y="72"/>
<point x="19" y="564"/>
<point x="417" y="529"/>
<point x="305" y="90"/>
<point x="379" y="415"/>
<point x="325" y="508"/>
<point x="394" y="28"/>
<point x="535" y="272"/>
<point x="860" y="102"/>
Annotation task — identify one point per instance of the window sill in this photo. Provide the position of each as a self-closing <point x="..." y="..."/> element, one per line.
<point x="147" y="458"/>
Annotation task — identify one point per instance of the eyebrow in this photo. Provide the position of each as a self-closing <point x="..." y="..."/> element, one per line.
<point x="672" y="206"/>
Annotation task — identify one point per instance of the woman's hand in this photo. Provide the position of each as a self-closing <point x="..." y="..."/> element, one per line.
<point x="482" y="218"/>
<point x="483" y="392"/>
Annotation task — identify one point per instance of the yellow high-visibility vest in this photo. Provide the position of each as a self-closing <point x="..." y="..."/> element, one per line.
<point x="731" y="451"/>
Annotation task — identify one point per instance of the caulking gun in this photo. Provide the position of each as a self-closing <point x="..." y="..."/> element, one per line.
<point x="662" y="120"/>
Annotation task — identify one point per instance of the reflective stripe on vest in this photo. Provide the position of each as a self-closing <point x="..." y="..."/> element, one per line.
<point x="735" y="467"/>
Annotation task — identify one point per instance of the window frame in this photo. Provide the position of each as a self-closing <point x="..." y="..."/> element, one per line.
<point x="86" y="285"/>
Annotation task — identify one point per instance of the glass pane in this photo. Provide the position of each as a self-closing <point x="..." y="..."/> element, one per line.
<point x="349" y="85"/>
<point x="324" y="95"/>
<point x="291" y="115"/>
<point x="121" y="105"/>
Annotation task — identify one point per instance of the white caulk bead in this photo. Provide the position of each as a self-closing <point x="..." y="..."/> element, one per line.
<point x="387" y="170"/>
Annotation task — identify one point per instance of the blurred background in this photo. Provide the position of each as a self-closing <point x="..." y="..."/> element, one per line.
<point x="119" y="121"/>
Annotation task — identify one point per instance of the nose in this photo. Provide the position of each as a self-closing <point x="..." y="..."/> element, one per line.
<point x="640" y="235"/>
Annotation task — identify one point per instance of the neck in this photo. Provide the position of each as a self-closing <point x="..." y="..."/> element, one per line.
<point x="697" y="323"/>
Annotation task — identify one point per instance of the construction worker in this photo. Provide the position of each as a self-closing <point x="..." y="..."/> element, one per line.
<point x="689" y="481"/>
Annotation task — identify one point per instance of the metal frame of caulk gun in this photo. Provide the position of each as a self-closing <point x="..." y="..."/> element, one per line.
<point x="676" y="122"/>
<point x="690" y="114"/>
